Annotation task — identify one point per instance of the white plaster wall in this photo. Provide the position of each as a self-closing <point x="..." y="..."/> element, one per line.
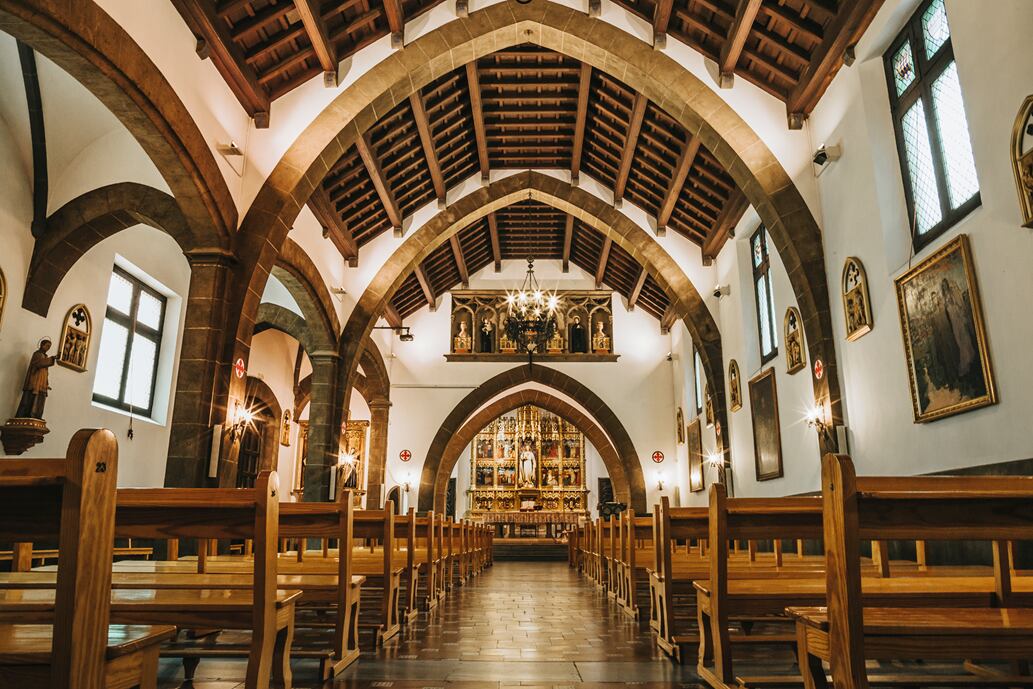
<point x="272" y="361"/>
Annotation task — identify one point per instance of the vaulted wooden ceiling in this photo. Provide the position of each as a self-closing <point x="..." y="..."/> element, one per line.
<point x="266" y="48"/>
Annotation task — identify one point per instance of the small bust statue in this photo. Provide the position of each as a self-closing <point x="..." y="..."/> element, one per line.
<point x="600" y="340"/>
<point x="462" y="341"/>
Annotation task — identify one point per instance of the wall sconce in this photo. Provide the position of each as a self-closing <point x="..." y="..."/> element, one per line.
<point x="660" y="480"/>
<point x="407" y="482"/>
<point x="815" y="418"/>
<point x="241" y="419"/>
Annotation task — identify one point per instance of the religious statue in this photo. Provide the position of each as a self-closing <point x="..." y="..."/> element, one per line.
<point x="555" y="345"/>
<point x="462" y="342"/>
<point x="487" y="336"/>
<point x="37" y="379"/>
<point x="856" y="304"/>
<point x="527" y="466"/>
<point x="75" y="338"/>
<point x="600" y="340"/>
<point x="793" y="340"/>
<point x="578" y="340"/>
<point x="285" y="428"/>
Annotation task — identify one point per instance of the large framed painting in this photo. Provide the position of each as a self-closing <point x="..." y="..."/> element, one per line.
<point x="941" y="319"/>
<point x="767" y="438"/>
<point x="695" y="439"/>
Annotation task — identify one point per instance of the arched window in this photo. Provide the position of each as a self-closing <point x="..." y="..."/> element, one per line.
<point x="697" y="372"/>
<point x="761" y="263"/>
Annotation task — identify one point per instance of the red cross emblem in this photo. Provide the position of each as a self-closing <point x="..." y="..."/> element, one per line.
<point x="658" y="456"/>
<point x="405" y="455"/>
<point x="239" y="368"/>
<point x="819" y="369"/>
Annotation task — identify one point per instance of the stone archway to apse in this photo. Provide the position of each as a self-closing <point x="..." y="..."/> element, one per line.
<point x="601" y="426"/>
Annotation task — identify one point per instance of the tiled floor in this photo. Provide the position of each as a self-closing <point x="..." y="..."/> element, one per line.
<point x="519" y="624"/>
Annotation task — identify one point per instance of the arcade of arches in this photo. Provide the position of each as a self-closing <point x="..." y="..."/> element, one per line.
<point x="506" y="269"/>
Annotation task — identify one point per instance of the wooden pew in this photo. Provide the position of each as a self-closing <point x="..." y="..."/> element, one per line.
<point x="853" y="629"/>
<point x="72" y="500"/>
<point x="636" y="557"/>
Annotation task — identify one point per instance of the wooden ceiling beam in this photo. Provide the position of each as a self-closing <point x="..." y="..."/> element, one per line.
<point x="428" y="291"/>
<point x="681" y="173"/>
<point x="213" y="41"/>
<point x="457" y="254"/>
<point x="724" y="228"/>
<point x="38" y="137"/>
<point x="668" y="320"/>
<point x="745" y="14"/>
<point x="334" y="228"/>
<point x="496" y="250"/>
<point x="584" y="82"/>
<point x="395" y="22"/>
<point x="474" y="84"/>
<point x="604" y="258"/>
<point x="376" y="174"/>
<point x="842" y="32"/>
<point x="325" y="50"/>
<point x="638" y="112"/>
<point x="636" y="291"/>
<point x="661" y="20"/>
<point x="568" y="239"/>
<point x="419" y="113"/>
<point x="391" y="315"/>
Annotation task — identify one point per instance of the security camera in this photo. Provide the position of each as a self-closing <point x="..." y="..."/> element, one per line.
<point x="670" y="357"/>
<point x="721" y="291"/>
<point x="826" y="154"/>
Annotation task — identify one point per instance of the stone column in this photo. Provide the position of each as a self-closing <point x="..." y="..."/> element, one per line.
<point x="375" y="489"/>
<point x="324" y="426"/>
<point x="204" y="369"/>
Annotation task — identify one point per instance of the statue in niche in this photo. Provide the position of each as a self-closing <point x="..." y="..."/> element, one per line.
<point x="734" y="388"/>
<point x="462" y="342"/>
<point x="578" y="337"/>
<point x="285" y="429"/>
<point x="37" y="382"/>
<point x="856" y="304"/>
<point x="600" y="340"/>
<point x="487" y="336"/>
<point x="528" y="462"/>
<point x="793" y="340"/>
<point x="75" y="339"/>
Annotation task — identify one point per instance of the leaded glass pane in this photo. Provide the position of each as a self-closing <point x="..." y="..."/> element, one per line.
<point x="110" y="360"/>
<point x="697" y="365"/>
<point x="771" y="315"/>
<point x="935" y="31"/>
<point x="764" y="310"/>
<point x="928" y="211"/>
<point x="148" y="312"/>
<point x="120" y="294"/>
<point x="955" y="142"/>
<point x="141" y="373"/>
<point x="903" y="68"/>
<point x="758" y="249"/>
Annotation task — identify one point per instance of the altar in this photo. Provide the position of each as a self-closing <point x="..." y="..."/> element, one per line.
<point x="534" y="524"/>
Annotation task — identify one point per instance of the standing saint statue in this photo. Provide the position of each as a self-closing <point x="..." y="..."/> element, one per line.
<point x="578" y="339"/>
<point x="527" y="466"/>
<point x="487" y="336"/>
<point x="37" y="382"/>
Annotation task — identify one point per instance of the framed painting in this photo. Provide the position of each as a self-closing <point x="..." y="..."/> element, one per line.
<point x="695" y="440"/>
<point x="734" y="387"/>
<point x="941" y="319"/>
<point x="767" y="437"/>
<point x="679" y="423"/>
<point x="793" y="333"/>
<point x="857" y="308"/>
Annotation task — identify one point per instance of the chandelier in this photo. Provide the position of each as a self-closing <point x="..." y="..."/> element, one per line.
<point x="531" y="320"/>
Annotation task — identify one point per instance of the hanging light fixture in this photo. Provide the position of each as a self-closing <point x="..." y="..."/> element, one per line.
<point x="531" y="312"/>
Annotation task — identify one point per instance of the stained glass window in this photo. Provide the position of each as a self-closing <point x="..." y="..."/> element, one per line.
<point x="932" y="130"/>
<point x="765" y="298"/>
<point x="697" y="372"/>
<point x="130" y="343"/>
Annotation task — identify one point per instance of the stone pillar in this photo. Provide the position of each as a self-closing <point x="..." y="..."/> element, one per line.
<point x="375" y="489"/>
<point x="324" y="426"/>
<point x="204" y="369"/>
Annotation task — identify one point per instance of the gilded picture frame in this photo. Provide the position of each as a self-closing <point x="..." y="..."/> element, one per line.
<point x="74" y="351"/>
<point x="1022" y="159"/>
<point x="767" y="433"/>
<point x="697" y="481"/>
<point x="3" y="296"/>
<point x="857" y="304"/>
<point x="945" y="345"/>
<point x="792" y="334"/>
<point x="734" y="386"/>
<point x="708" y="405"/>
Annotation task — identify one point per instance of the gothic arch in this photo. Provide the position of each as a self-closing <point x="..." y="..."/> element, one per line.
<point x="302" y="279"/>
<point x="87" y="220"/>
<point x="626" y="470"/>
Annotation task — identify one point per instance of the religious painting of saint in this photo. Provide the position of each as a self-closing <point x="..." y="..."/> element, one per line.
<point x="734" y="386"/>
<point x="794" y="340"/>
<point x="708" y="405"/>
<point x="767" y="436"/>
<point x="857" y="308"/>
<point x="944" y="335"/>
<point x="696" y="479"/>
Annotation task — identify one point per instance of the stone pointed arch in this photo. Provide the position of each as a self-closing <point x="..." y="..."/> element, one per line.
<point x="624" y="465"/>
<point x="276" y="317"/>
<point x="295" y="269"/>
<point x="88" y="219"/>
<point x="87" y="43"/>
<point x="692" y="103"/>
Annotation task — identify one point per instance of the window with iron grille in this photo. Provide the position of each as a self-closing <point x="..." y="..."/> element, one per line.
<point x="761" y="262"/>
<point x="933" y="141"/>
<point x="130" y="343"/>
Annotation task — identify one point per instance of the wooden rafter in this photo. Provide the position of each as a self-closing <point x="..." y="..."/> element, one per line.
<point x="38" y="136"/>
<point x="214" y="41"/>
<point x="474" y="84"/>
<point x="730" y="216"/>
<point x="604" y="258"/>
<point x="395" y="22"/>
<point x="661" y="20"/>
<point x="638" y="111"/>
<point x="428" y="291"/>
<point x="376" y="174"/>
<point x="745" y="14"/>
<point x="334" y="228"/>
<point x="636" y="291"/>
<point x="496" y="250"/>
<point x="419" y="113"/>
<point x="568" y="238"/>
<point x="668" y="320"/>
<point x="842" y="32"/>
<point x="319" y="37"/>
<point x="392" y="316"/>
<point x="585" y="81"/>
<point x="681" y="172"/>
<point x="457" y="254"/>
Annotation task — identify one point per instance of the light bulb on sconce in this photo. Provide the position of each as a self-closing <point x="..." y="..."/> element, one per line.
<point x="660" y="480"/>
<point x="816" y="419"/>
<point x="241" y="418"/>
<point x="407" y="482"/>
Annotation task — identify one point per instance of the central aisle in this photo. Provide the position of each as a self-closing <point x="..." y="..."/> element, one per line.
<point x="527" y="624"/>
